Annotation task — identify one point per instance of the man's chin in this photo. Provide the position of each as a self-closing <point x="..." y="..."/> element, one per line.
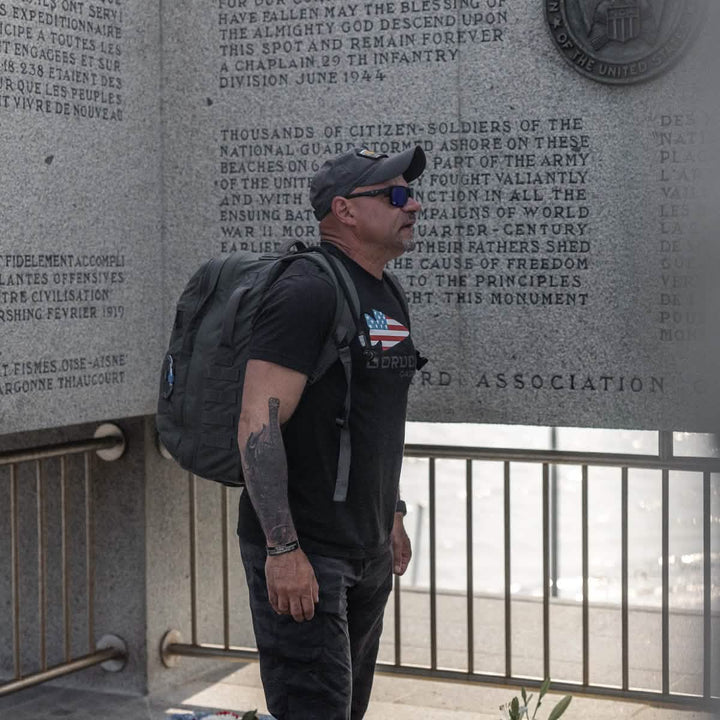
<point x="408" y="239"/>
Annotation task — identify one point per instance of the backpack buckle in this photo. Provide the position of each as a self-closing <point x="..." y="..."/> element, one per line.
<point x="368" y="350"/>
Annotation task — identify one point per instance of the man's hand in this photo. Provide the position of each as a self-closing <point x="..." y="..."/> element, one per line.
<point x="292" y="587"/>
<point x="401" y="550"/>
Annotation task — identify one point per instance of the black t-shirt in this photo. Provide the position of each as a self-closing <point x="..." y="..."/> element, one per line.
<point x="290" y="330"/>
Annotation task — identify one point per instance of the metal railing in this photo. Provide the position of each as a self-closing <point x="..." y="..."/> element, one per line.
<point x="110" y="652"/>
<point x="172" y="646"/>
<point x="664" y="462"/>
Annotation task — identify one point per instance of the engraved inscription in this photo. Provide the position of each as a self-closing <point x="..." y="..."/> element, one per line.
<point x="283" y="45"/>
<point x="509" y="222"/>
<point x="57" y="373"/>
<point x="62" y="57"/>
<point x="680" y="144"/>
<point x="36" y="288"/>
<point x="506" y="214"/>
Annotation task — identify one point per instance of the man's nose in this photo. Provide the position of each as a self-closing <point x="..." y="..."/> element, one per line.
<point x="412" y="206"/>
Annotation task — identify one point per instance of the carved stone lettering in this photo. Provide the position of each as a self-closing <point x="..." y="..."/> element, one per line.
<point x="62" y="58"/>
<point x="281" y="46"/>
<point x="42" y="288"/>
<point x="506" y="217"/>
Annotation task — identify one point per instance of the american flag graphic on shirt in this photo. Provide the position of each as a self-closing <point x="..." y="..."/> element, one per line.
<point x="385" y="330"/>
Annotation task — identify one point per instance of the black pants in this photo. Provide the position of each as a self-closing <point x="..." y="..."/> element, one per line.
<point x="322" y="669"/>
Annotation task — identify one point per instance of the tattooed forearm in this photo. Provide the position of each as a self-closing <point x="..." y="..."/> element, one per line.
<point x="265" y="469"/>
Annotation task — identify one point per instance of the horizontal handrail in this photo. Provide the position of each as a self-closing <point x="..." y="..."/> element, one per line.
<point x="212" y="652"/>
<point x="562" y="457"/>
<point x="87" y="661"/>
<point x="75" y="447"/>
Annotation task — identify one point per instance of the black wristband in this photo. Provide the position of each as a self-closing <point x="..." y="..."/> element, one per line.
<point x="401" y="507"/>
<point x="282" y="549"/>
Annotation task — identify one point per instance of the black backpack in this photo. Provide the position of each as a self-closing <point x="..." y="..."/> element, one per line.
<point x="204" y="368"/>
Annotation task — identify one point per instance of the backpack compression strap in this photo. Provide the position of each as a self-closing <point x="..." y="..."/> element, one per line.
<point x="346" y="327"/>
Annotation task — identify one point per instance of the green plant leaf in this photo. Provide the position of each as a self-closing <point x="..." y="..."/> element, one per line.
<point x="560" y="708"/>
<point x="514" y="709"/>
<point x="543" y="690"/>
<point x="524" y="696"/>
<point x="250" y="715"/>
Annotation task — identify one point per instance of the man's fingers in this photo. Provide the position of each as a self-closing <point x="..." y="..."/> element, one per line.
<point x="292" y="586"/>
<point x="302" y="608"/>
<point x="308" y="607"/>
<point x="296" y="610"/>
<point x="402" y="553"/>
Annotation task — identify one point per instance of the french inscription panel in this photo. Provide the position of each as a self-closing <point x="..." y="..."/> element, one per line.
<point x="62" y="57"/>
<point x="80" y="251"/>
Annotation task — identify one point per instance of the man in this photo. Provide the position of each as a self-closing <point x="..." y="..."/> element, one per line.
<point x="319" y="571"/>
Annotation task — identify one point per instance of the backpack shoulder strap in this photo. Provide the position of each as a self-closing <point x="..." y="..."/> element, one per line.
<point x="346" y="324"/>
<point x="208" y="276"/>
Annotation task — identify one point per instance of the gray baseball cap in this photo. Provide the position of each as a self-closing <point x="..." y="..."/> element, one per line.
<point x="358" y="168"/>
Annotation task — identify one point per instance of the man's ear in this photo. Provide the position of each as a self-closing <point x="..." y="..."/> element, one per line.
<point x="342" y="210"/>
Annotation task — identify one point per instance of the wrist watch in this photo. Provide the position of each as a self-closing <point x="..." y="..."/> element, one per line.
<point x="401" y="507"/>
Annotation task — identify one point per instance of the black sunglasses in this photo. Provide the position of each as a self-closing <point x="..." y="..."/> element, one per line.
<point x="398" y="194"/>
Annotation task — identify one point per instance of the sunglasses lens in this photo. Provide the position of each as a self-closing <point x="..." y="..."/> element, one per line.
<point x="399" y="195"/>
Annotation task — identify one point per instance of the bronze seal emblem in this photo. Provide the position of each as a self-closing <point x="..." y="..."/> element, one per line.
<point x="623" y="41"/>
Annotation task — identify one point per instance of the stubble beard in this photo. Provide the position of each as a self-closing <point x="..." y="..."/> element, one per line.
<point x="408" y="240"/>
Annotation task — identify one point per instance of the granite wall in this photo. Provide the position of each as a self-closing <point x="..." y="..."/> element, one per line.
<point x="80" y="255"/>
<point x="555" y="279"/>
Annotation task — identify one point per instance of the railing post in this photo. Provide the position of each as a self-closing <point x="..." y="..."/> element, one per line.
<point x="546" y="569"/>
<point x="707" y="587"/>
<point x="433" y="566"/>
<point x="666" y="450"/>
<point x="507" y="569"/>
<point x="469" y="560"/>
<point x="554" y="510"/>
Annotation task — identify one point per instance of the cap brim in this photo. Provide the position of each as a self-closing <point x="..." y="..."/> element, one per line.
<point x="410" y="164"/>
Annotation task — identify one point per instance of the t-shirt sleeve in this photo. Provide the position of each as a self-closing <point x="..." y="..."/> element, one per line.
<point x="295" y="319"/>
